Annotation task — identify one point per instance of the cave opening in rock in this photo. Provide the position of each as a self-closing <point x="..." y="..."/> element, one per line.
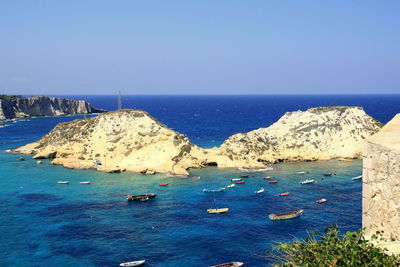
<point x="213" y="164"/>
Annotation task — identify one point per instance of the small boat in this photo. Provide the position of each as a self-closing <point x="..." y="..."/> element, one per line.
<point x="230" y="185"/>
<point x="217" y="211"/>
<point x="164" y="184"/>
<point x="63" y="182"/>
<point x="267" y="177"/>
<point x="286" y="215"/>
<point x="240" y="182"/>
<point x="301" y="172"/>
<point x="214" y="190"/>
<point x="255" y="170"/>
<point x="132" y="263"/>
<point x="357" y="177"/>
<point x="229" y="264"/>
<point x="283" y="194"/>
<point x="259" y="191"/>
<point x="328" y="174"/>
<point x="85" y="182"/>
<point x="144" y="197"/>
<point x="244" y="176"/>
<point x="322" y="200"/>
<point x="273" y="182"/>
<point x="307" y="181"/>
<point x="236" y="179"/>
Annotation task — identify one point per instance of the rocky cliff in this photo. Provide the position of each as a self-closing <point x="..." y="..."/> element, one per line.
<point x="23" y="107"/>
<point x="116" y="141"/>
<point x="316" y="134"/>
<point x="132" y="140"/>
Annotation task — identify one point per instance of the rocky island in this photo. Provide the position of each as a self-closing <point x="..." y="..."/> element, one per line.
<point x="12" y="107"/>
<point x="132" y="140"/>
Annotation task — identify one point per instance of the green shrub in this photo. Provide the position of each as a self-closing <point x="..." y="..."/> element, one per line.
<point x="330" y="249"/>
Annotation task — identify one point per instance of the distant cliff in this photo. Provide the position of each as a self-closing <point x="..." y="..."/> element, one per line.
<point x="134" y="141"/>
<point x="23" y="107"/>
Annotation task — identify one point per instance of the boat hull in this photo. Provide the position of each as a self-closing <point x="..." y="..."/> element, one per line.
<point x="217" y="211"/>
<point x="286" y="216"/>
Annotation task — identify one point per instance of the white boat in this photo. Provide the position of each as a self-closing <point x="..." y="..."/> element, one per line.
<point x="229" y="264"/>
<point x="301" y="172"/>
<point x="230" y="185"/>
<point x="307" y="181"/>
<point x="132" y="263"/>
<point x="255" y="170"/>
<point x="357" y="177"/>
<point x="261" y="190"/>
<point x="63" y="182"/>
<point x="236" y="179"/>
<point x="85" y="182"/>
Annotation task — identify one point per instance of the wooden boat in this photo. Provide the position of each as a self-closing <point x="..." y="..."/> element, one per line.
<point x="217" y="211"/>
<point x="267" y="177"/>
<point x="214" y="190"/>
<point x="240" y="182"/>
<point x="283" y="194"/>
<point x="307" y="181"/>
<point x="259" y="191"/>
<point x="144" y="197"/>
<point x="132" y="263"/>
<point x="236" y="179"/>
<point x="229" y="264"/>
<point x="230" y="185"/>
<point x="85" y="182"/>
<point x="244" y="176"/>
<point x="164" y="184"/>
<point x="301" y="172"/>
<point x="322" y="200"/>
<point x="273" y="182"/>
<point x="328" y="174"/>
<point x="286" y="215"/>
<point x="357" y="177"/>
<point x="63" y="182"/>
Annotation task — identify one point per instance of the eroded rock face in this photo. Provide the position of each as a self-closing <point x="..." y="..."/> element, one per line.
<point x="316" y="134"/>
<point x="132" y="140"/>
<point x="125" y="140"/>
<point x="23" y="107"/>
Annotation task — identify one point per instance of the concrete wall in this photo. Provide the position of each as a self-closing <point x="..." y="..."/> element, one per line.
<point x="381" y="182"/>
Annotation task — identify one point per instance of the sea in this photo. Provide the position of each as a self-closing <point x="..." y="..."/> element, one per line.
<point x="43" y="223"/>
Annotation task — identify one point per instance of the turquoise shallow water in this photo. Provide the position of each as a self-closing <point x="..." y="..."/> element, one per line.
<point x="47" y="224"/>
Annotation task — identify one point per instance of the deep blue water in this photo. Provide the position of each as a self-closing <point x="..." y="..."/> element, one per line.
<point x="43" y="223"/>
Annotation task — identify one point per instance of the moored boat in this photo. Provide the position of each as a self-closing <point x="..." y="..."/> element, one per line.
<point x="205" y="190"/>
<point x="85" y="182"/>
<point x="217" y="211"/>
<point x="144" y="197"/>
<point x="63" y="182"/>
<point x="357" y="177"/>
<point x="283" y="194"/>
<point x="273" y="182"/>
<point x="236" y="179"/>
<point x="164" y="184"/>
<point x="267" y="177"/>
<point x="132" y="263"/>
<point x="230" y="185"/>
<point x="328" y="174"/>
<point x="286" y="215"/>
<point x="322" y="200"/>
<point x="244" y="176"/>
<point x="301" y="172"/>
<point x="240" y="182"/>
<point x="229" y="264"/>
<point x="259" y="191"/>
<point x="307" y="181"/>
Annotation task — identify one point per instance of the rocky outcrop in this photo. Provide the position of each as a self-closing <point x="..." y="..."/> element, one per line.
<point x="132" y="140"/>
<point x="316" y="134"/>
<point x="125" y="140"/>
<point x="381" y="182"/>
<point x="23" y="107"/>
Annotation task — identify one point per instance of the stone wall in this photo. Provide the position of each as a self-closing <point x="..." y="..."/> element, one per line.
<point x="381" y="182"/>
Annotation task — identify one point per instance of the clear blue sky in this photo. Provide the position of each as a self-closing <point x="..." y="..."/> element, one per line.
<point x="199" y="47"/>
